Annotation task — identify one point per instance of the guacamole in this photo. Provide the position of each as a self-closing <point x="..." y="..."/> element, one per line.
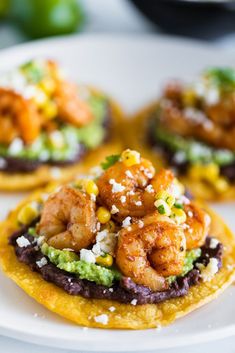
<point x="190" y="258"/>
<point x="68" y="261"/>
<point x="194" y="151"/>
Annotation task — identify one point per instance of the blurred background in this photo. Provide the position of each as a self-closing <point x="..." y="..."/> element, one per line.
<point x="211" y="20"/>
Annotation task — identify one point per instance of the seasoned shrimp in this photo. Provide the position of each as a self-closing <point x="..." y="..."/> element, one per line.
<point x="198" y="225"/>
<point x="132" y="189"/>
<point x="71" y="108"/>
<point x="151" y="253"/>
<point x="18" y="117"/>
<point x="68" y="219"/>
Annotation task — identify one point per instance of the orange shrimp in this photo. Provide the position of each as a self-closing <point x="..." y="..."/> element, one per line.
<point x="152" y="252"/>
<point x="137" y="187"/>
<point x="18" y="117"/>
<point x="68" y="219"/>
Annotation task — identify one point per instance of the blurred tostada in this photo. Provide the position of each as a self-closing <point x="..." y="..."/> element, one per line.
<point x="49" y="127"/>
<point x="121" y="248"/>
<point x="192" y="129"/>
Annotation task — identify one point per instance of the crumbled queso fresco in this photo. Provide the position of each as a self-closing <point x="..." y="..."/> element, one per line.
<point x="114" y="209"/>
<point x="22" y="242"/>
<point x="208" y="272"/>
<point x="117" y="187"/>
<point x="127" y="222"/>
<point x="213" y="243"/>
<point x="102" y="319"/>
<point x="41" y="262"/>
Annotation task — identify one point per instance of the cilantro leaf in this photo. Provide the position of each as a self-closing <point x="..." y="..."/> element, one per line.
<point x="110" y="160"/>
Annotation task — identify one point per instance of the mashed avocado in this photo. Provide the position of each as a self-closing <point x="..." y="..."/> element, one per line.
<point x="63" y="144"/>
<point x="190" y="258"/>
<point x="193" y="151"/>
<point x="68" y="261"/>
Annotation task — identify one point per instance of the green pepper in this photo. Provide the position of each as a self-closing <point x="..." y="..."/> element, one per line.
<point x="42" y="18"/>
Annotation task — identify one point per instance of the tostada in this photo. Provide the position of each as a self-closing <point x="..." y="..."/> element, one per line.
<point x="192" y="129"/>
<point x="48" y="125"/>
<point x="122" y="248"/>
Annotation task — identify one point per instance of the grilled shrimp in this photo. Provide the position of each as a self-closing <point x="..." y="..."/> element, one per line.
<point x="71" y="108"/>
<point x="18" y="117"/>
<point x="132" y="189"/>
<point x="68" y="219"/>
<point x="151" y="253"/>
<point x="198" y="225"/>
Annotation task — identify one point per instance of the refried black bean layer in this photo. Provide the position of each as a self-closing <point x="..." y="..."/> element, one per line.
<point x="123" y="291"/>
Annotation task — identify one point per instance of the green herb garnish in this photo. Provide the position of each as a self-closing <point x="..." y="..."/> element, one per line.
<point x="110" y="160"/>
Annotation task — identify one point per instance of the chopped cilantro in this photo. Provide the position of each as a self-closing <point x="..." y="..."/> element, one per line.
<point x="110" y="160"/>
<point x="222" y="77"/>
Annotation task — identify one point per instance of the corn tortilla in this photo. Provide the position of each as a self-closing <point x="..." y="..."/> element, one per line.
<point x="83" y="311"/>
<point x="45" y="173"/>
<point x="137" y="140"/>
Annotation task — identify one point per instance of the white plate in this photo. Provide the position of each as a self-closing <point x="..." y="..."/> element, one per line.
<point x="132" y="70"/>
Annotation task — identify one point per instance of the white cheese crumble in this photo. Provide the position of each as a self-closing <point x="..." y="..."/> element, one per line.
<point x="111" y="290"/>
<point x="93" y="197"/>
<point x="96" y="171"/>
<point x="87" y="256"/>
<point x="105" y="243"/>
<point x="102" y="319"/>
<point x="129" y="174"/>
<point x="138" y="203"/>
<point x="22" y="242"/>
<point x="134" y="301"/>
<point x="112" y="309"/>
<point x="16" y="146"/>
<point x="117" y="187"/>
<point x="149" y="189"/>
<point x="141" y="224"/>
<point x="213" y="243"/>
<point x="208" y="272"/>
<point x="41" y="262"/>
<point x="114" y="209"/>
<point x="127" y="222"/>
<point x="131" y="193"/>
<point x="190" y="214"/>
<point x="40" y="240"/>
<point x="123" y="199"/>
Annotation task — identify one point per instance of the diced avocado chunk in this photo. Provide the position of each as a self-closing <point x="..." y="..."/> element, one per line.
<point x="190" y="258"/>
<point x="194" y="151"/>
<point x="68" y="261"/>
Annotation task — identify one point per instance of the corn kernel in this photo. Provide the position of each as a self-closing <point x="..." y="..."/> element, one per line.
<point x="162" y="207"/>
<point x="103" y="215"/>
<point x="106" y="260"/>
<point x="209" y="172"/>
<point x="111" y="226"/>
<point x="167" y="197"/>
<point x="189" y="97"/>
<point x="28" y="213"/>
<point x="50" y="110"/>
<point x="221" y="184"/>
<point x="130" y="158"/>
<point x="178" y="215"/>
<point x="91" y="188"/>
<point x="47" y="85"/>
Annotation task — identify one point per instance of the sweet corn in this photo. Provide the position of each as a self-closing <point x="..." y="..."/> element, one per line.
<point x="189" y="97"/>
<point x="106" y="260"/>
<point x="130" y="157"/>
<point x="47" y="85"/>
<point x="91" y="188"/>
<point x="103" y="215"/>
<point x="28" y="213"/>
<point x="167" y="197"/>
<point x="209" y="172"/>
<point x="50" y="110"/>
<point x="162" y="207"/>
<point x="178" y="215"/>
<point x="221" y="185"/>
